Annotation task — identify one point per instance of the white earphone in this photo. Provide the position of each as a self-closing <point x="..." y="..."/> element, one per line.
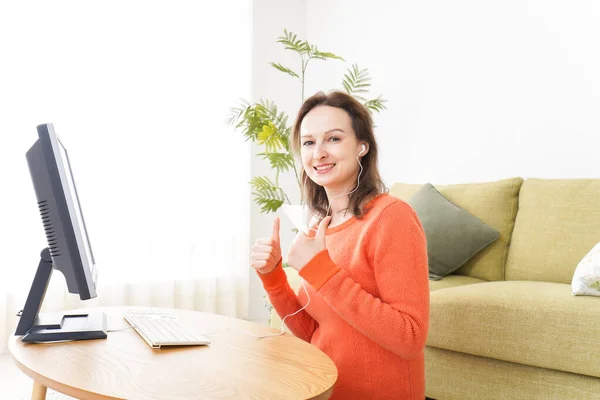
<point x="362" y="150"/>
<point x="282" y="331"/>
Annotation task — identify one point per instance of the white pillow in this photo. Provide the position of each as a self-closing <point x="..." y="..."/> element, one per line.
<point x="586" y="280"/>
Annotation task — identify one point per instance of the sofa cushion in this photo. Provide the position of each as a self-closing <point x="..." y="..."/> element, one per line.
<point x="453" y="235"/>
<point x="533" y="323"/>
<point x="495" y="203"/>
<point x="454" y="375"/>
<point x="586" y="279"/>
<point x="557" y="224"/>
<point x="453" y="280"/>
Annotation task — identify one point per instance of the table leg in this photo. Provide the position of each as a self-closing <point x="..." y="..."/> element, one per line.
<point x="39" y="391"/>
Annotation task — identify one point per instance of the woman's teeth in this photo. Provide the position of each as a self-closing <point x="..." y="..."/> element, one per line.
<point x="325" y="167"/>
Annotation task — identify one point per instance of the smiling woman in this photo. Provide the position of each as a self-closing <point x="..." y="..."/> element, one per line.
<point x="337" y="147"/>
<point x="131" y="93"/>
<point x="364" y="299"/>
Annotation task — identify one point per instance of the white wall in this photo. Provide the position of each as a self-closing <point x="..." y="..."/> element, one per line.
<point x="128" y="86"/>
<point x="270" y="18"/>
<point x="478" y="90"/>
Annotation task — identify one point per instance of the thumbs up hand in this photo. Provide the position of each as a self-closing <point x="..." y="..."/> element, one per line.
<point x="304" y="248"/>
<point x="266" y="252"/>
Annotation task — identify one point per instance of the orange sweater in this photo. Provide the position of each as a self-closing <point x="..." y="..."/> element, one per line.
<point x="369" y="302"/>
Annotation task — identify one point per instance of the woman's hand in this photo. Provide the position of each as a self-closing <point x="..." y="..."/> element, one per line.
<point x="266" y="252"/>
<point x="303" y="249"/>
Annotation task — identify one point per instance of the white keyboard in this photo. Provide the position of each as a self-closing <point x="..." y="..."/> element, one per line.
<point x="162" y="329"/>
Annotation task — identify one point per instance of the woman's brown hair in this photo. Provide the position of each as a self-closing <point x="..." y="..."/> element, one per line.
<point x="370" y="181"/>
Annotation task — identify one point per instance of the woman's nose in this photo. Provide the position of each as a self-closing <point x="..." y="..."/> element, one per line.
<point x="319" y="152"/>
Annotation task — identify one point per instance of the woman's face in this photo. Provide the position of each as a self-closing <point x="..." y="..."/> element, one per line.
<point x="329" y="148"/>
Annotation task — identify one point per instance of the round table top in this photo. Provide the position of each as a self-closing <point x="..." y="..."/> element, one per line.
<point x="236" y="365"/>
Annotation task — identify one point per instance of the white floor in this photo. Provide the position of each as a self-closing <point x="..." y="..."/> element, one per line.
<point x="15" y="385"/>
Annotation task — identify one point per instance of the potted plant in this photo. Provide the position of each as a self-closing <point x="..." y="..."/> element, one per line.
<point x="267" y="126"/>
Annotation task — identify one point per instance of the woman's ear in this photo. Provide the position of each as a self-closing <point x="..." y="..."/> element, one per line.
<point x="363" y="150"/>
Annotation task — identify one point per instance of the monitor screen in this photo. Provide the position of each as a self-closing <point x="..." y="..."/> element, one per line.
<point x="72" y="193"/>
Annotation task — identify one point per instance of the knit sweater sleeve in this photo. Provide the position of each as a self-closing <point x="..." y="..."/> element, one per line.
<point x="286" y="302"/>
<point x="397" y="318"/>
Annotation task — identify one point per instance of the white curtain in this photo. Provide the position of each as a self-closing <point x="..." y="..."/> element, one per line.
<point x="138" y="92"/>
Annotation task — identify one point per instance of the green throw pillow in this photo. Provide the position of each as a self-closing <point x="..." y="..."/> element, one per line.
<point x="453" y="235"/>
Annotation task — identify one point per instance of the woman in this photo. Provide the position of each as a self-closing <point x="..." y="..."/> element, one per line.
<point x="364" y="269"/>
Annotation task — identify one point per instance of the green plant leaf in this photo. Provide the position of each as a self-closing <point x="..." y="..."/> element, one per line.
<point x="377" y="104"/>
<point x="290" y="42"/>
<point x="305" y="48"/>
<point x="235" y="113"/>
<point x="280" y="120"/>
<point x="280" y="162"/>
<point x="253" y="122"/>
<point x="267" y="195"/>
<point x="356" y="81"/>
<point x="284" y="69"/>
<point x="262" y="123"/>
<point x="268" y="205"/>
<point x="323" y="55"/>
<point x="270" y="137"/>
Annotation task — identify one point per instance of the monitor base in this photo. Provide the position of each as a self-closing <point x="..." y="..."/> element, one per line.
<point x="67" y="326"/>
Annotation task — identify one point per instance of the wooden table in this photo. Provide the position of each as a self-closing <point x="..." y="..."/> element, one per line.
<point x="235" y="365"/>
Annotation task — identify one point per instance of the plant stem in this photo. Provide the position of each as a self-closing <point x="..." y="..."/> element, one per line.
<point x="296" y="175"/>
<point x="299" y="185"/>
<point x="304" y="66"/>
<point x="277" y="184"/>
<point x="302" y="79"/>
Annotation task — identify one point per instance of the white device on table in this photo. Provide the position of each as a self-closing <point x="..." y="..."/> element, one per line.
<point x="298" y="216"/>
<point x="159" y="329"/>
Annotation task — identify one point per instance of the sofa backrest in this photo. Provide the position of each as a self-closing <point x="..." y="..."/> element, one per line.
<point x="495" y="203"/>
<point x="557" y="224"/>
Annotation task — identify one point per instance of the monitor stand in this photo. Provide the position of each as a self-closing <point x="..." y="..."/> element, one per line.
<point x="35" y="327"/>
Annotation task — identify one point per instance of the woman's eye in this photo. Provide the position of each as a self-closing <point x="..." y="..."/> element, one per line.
<point x="307" y="143"/>
<point x="334" y="139"/>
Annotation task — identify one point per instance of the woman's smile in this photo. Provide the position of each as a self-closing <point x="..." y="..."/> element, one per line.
<point x="323" y="168"/>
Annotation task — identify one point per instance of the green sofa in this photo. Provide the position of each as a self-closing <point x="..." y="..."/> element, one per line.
<point x="506" y="324"/>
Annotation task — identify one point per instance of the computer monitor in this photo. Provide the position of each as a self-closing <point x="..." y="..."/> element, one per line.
<point x="68" y="247"/>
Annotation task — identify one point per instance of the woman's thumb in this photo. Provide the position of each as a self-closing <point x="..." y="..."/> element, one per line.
<point x="323" y="226"/>
<point x="275" y="234"/>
